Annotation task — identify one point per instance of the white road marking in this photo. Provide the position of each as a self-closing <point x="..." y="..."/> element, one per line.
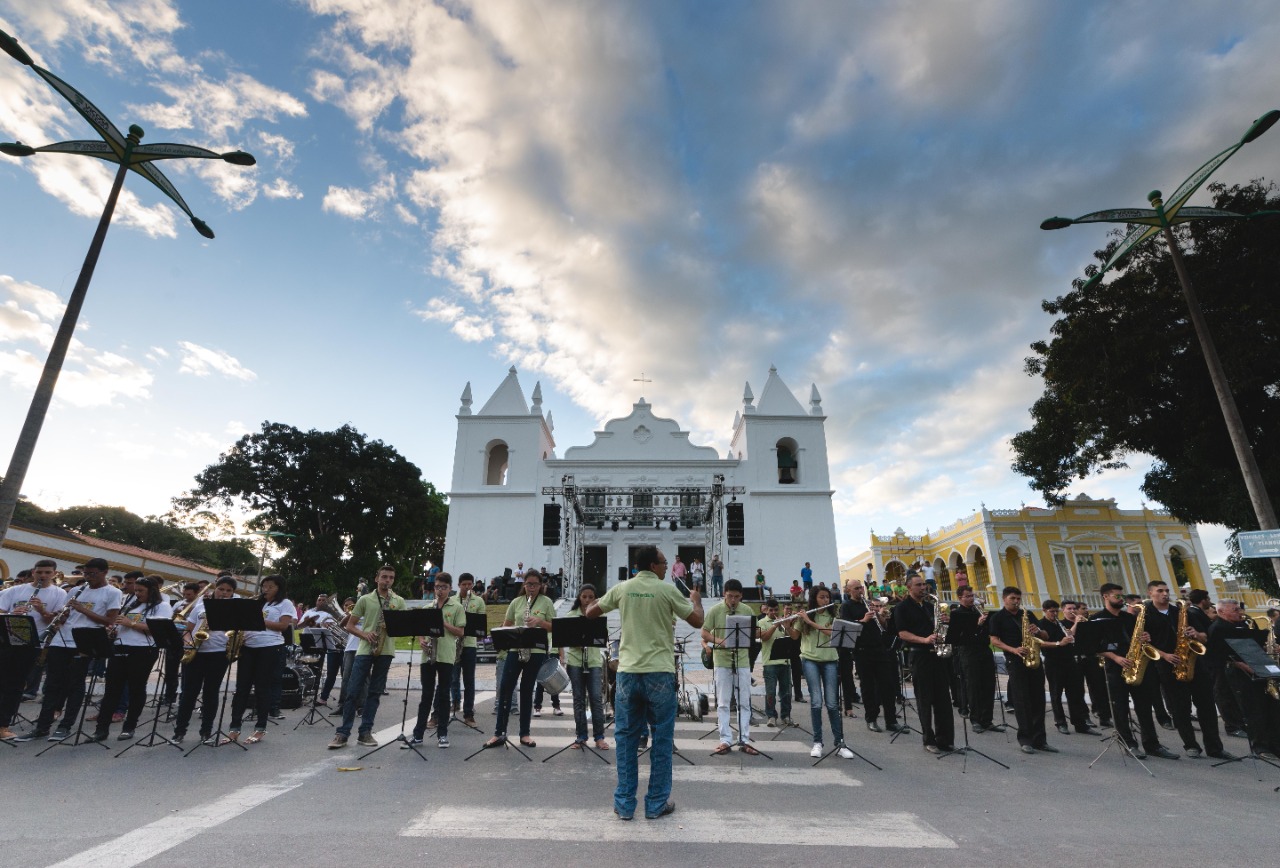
<point x="763" y="776"/>
<point x="147" y="842"/>
<point x="896" y="830"/>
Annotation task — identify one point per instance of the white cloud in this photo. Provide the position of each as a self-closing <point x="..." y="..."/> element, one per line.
<point x="203" y="361"/>
<point x="359" y="204"/>
<point x="281" y="188"/>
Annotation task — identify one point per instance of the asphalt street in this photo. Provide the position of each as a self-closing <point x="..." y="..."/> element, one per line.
<point x="290" y="800"/>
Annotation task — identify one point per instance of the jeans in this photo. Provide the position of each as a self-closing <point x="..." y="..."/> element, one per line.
<point x="777" y="680"/>
<point x="368" y="679"/>
<point x="586" y="688"/>
<point x="348" y="661"/>
<point x="436" y="678"/>
<point x="823" y="678"/>
<point x="717" y="585"/>
<point x="724" y="699"/>
<point x="644" y="701"/>
<point x="260" y="670"/>
<point x="464" y="683"/>
<point x="202" y="678"/>
<point x="513" y="670"/>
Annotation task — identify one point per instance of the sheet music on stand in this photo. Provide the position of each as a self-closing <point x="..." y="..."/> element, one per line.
<point x="1248" y="651"/>
<point x="739" y="631"/>
<point x="19" y="632"/>
<point x="844" y="634"/>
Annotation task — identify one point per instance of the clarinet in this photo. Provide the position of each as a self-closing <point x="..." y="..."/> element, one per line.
<point x="58" y="620"/>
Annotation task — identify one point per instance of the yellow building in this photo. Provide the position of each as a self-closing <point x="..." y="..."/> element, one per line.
<point x="1064" y="552"/>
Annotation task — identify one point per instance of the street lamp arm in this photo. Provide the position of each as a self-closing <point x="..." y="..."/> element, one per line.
<point x="101" y="124"/>
<point x="173" y="151"/>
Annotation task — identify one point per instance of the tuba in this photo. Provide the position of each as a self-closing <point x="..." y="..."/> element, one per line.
<point x="1030" y="643"/>
<point x="1185" y="668"/>
<point x="1140" y="653"/>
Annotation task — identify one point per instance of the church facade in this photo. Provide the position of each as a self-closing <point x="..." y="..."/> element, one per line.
<point x="766" y="505"/>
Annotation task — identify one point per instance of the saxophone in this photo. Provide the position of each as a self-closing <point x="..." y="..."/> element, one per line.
<point x="1140" y="653"/>
<point x="461" y="640"/>
<point x="380" y="630"/>
<point x="235" y="641"/>
<point x="1030" y="644"/>
<point x="429" y="652"/>
<point x="525" y="653"/>
<point x="197" y="639"/>
<point x="1273" y="684"/>
<point x="940" y="628"/>
<point x="1185" y="668"/>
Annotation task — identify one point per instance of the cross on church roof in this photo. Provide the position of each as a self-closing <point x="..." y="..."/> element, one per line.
<point x="642" y="379"/>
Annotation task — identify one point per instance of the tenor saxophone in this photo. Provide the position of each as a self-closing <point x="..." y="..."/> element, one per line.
<point x="1140" y="653"/>
<point x="1185" y="668"/>
<point x="942" y="649"/>
<point x="198" y="638"/>
<point x="1030" y="643"/>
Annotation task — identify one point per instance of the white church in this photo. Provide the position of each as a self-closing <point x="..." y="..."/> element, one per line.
<point x="766" y="505"/>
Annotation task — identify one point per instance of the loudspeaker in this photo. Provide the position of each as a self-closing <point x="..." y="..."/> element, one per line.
<point x="551" y="524"/>
<point x="752" y="595"/>
<point x="735" y="531"/>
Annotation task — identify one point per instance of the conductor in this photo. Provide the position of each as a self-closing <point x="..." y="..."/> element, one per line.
<point x="646" y="688"/>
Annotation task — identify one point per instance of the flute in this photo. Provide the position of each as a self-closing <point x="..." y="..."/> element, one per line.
<point x="810" y="612"/>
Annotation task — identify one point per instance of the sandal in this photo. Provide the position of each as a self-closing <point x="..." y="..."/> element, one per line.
<point x="494" y="742"/>
<point x="231" y="737"/>
<point x="721" y="749"/>
<point x="258" y="735"/>
<point x="528" y="742"/>
<point x="749" y="750"/>
<point x="601" y="744"/>
<point x="577" y="745"/>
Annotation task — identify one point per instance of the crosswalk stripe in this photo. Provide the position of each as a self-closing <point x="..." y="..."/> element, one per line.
<point x="693" y="826"/>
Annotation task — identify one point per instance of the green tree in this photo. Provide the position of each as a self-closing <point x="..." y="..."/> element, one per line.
<point x="1123" y="374"/>
<point x="350" y="503"/>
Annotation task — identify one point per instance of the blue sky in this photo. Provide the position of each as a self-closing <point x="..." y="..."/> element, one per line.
<point x="850" y="191"/>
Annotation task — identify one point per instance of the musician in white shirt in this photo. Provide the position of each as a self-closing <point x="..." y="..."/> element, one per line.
<point x="39" y="600"/>
<point x="261" y="663"/>
<point x="135" y="655"/>
<point x="202" y="677"/>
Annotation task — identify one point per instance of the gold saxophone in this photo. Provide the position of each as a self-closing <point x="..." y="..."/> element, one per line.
<point x="525" y="653"/>
<point x="1273" y="684"/>
<point x="1140" y="653"/>
<point x="235" y="641"/>
<point x="198" y="638"/>
<point x="380" y="629"/>
<point x="1030" y="643"/>
<point x="429" y="652"/>
<point x="1185" y="668"/>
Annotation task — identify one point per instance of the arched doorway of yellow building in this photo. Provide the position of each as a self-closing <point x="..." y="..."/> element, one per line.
<point x="942" y="575"/>
<point x="1013" y="569"/>
<point x="895" y="572"/>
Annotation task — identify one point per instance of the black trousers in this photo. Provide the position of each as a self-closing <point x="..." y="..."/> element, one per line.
<point x="259" y="670"/>
<point x="977" y="668"/>
<point x="1178" y="696"/>
<point x="1141" y="695"/>
<point x="797" y="676"/>
<point x="848" y="689"/>
<point x="201" y="679"/>
<point x="130" y="667"/>
<point x="65" y="672"/>
<point x="931" y="678"/>
<point x="15" y="666"/>
<point x="332" y="666"/>
<point x="1026" y="691"/>
<point x="172" y="672"/>
<point x="1225" y="699"/>
<point x="437" y="678"/>
<point x="1206" y="710"/>
<point x="1065" y="677"/>
<point x="1095" y="678"/>
<point x="1261" y="712"/>
<point x="878" y="672"/>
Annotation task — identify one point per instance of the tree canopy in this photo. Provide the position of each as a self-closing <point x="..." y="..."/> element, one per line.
<point x="350" y="504"/>
<point x="159" y="534"/>
<point x="1123" y="373"/>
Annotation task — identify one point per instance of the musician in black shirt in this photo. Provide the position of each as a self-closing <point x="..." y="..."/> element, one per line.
<point x="1162" y="624"/>
<point x="930" y="674"/>
<point x="1061" y="668"/>
<point x="1214" y="667"/>
<point x="1026" y="683"/>
<point x="977" y="668"/>
<point x="1261" y="712"/>
<point x="1120" y="692"/>
<point x="874" y="658"/>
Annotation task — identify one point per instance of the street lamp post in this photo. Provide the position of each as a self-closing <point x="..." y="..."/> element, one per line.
<point x="267" y="536"/>
<point x="130" y="155"/>
<point x="1160" y="219"/>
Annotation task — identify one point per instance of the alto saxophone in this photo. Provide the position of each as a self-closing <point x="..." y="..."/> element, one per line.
<point x="429" y="652"/>
<point x="942" y="649"/>
<point x="1140" y="653"/>
<point x="525" y="653"/>
<point x="380" y="630"/>
<point x="1273" y="684"/>
<point x="1030" y="644"/>
<point x="1185" y="668"/>
<point x="198" y="638"/>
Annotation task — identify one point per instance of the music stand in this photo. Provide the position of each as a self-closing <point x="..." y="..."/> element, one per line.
<point x="739" y="634"/>
<point x="319" y="642"/>
<point x="903" y="726"/>
<point x="1248" y="650"/>
<point x="844" y="634"/>
<point x="1093" y="637"/>
<point x="237" y="616"/>
<point x="581" y="633"/>
<point x="94" y="643"/>
<point x="165" y="636"/>
<point x="963" y="632"/>
<point x="18" y="632"/>
<point x="511" y="639"/>
<point x="413" y="622"/>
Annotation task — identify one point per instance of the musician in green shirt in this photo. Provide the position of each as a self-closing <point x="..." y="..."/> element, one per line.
<point x="464" y="669"/>
<point x="586" y="673"/>
<point x="530" y="609"/>
<point x="439" y="655"/>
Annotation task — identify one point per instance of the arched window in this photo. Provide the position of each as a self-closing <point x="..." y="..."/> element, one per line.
<point x="788" y="461"/>
<point x="495" y="463"/>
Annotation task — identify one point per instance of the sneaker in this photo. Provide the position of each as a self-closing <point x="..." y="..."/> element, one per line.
<point x="537" y="712"/>
<point x="366" y="739"/>
<point x="621" y="816"/>
<point x="32" y="735"/>
<point x="559" y="712"/>
<point x="414" y="740"/>
<point x="338" y="741"/>
<point x="28" y="697"/>
<point x="668" y="808"/>
<point x="933" y="748"/>
<point x="816" y="750"/>
<point x="1062" y="728"/>
<point x="845" y="753"/>
<point x="771" y="722"/>
<point x="127" y="735"/>
<point x="786" y="721"/>
<point x="275" y="714"/>
<point x="210" y="741"/>
<point x="60" y="734"/>
<point x="1194" y="752"/>
<point x="177" y="737"/>
<point x="873" y="726"/>
<point x="442" y="742"/>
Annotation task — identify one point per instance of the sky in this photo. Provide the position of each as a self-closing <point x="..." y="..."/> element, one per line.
<point x="592" y="191"/>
